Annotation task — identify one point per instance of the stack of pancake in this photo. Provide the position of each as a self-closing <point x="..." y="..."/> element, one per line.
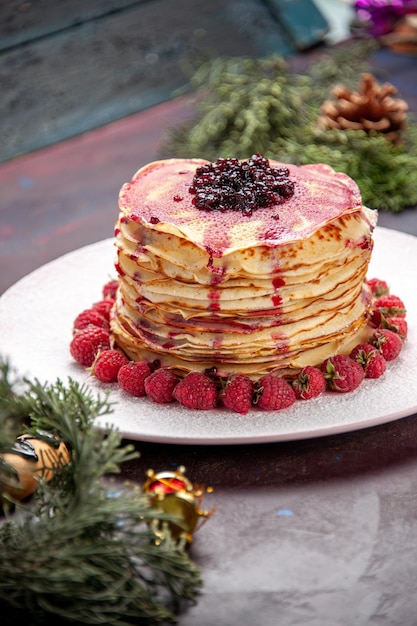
<point x="275" y="290"/>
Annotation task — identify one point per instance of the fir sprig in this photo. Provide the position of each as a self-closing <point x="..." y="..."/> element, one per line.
<point x="244" y="106"/>
<point x="82" y="550"/>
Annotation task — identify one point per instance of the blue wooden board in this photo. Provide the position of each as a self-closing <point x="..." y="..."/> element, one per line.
<point x="70" y="66"/>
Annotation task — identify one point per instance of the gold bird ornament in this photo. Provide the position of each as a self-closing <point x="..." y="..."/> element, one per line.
<point x="172" y="493"/>
<point x="29" y="461"/>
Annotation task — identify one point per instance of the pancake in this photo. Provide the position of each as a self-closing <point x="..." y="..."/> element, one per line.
<point x="271" y="289"/>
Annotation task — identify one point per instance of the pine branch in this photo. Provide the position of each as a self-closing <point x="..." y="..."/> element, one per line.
<point x="245" y="106"/>
<point x="83" y="549"/>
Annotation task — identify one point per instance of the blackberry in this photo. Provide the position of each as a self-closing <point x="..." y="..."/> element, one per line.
<point x="230" y="184"/>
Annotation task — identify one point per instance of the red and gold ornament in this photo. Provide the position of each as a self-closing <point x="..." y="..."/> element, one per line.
<point x="174" y="494"/>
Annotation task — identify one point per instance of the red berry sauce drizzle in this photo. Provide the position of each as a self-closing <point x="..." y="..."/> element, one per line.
<point x="233" y="185"/>
<point x="384" y="345"/>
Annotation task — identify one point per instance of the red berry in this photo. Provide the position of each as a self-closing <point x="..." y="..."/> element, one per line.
<point x="131" y="377"/>
<point x="104" y="307"/>
<point x="398" y="325"/>
<point x="387" y="342"/>
<point x="370" y="359"/>
<point x="309" y="383"/>
<point x="342" y="373"/>
<point x="90" y="317"/>
<point x="109" y="289"/>
<point x="376" y="319"/>
<point x="196" y="391"/>
<point x="274" y="393"/>
<point x="376" y="366"/>
<point x="107" y="365"/>
<point x="362" y="352"/>
<point x="237" y="394"/>
<point x="160" y="385"/>
<point x="378" y="287"/>
<point x="86" y="344"/>
<point x="390" y="306"/>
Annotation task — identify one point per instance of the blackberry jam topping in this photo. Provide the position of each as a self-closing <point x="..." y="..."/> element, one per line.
<point x="230" y="184"/>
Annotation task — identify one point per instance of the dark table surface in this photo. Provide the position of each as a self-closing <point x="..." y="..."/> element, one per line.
<point x="318" y="532"/>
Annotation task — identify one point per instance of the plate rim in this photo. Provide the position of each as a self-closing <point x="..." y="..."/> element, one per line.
<point x="204" y="439"/>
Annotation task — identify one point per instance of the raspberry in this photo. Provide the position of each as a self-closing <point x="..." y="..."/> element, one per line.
<point x="387" y="342"/>
<point x="378" y="287"/>
<point x="107" y="365"/>
<point x="370" y="359"/>
<point x="390" y="306"/>
<point x="342" y="373"/>
<point x="196" y="391"/>
<point x="160" y="385"/>
<point x="104" y="307"/>
<point x="362" y="353"/>
<point x="90" y="317"/>
<point x="309" y="383"/>
<point x="376" y="319"/>
<point x="398" y="325"/>
<point x="376" y="366"/>
<point x="131" y="377"/>
<point x="273" y="393"/>
<point x="86" y="344"/>
<point x="237" y="394"/>
<point x="109" y="289"/>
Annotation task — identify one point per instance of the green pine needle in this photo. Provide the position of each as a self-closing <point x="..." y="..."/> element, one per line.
<point x="82" y="550"/>
<point x="244" y="106"/>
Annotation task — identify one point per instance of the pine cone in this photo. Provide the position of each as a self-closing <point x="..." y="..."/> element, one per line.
<point x="371" y="108"/>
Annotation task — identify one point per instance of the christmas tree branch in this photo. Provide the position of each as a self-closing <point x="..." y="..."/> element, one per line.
<point x="245" y="106"/>
<point x="83" y="549"/>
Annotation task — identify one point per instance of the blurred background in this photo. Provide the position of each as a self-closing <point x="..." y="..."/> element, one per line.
<point x="69" y="66"/>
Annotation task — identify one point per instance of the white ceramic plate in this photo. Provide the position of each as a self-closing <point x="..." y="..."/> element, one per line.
<point x="36" y="316"/>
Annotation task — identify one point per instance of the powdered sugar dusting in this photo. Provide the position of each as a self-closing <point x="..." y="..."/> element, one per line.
<point x="65" y="286"/>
